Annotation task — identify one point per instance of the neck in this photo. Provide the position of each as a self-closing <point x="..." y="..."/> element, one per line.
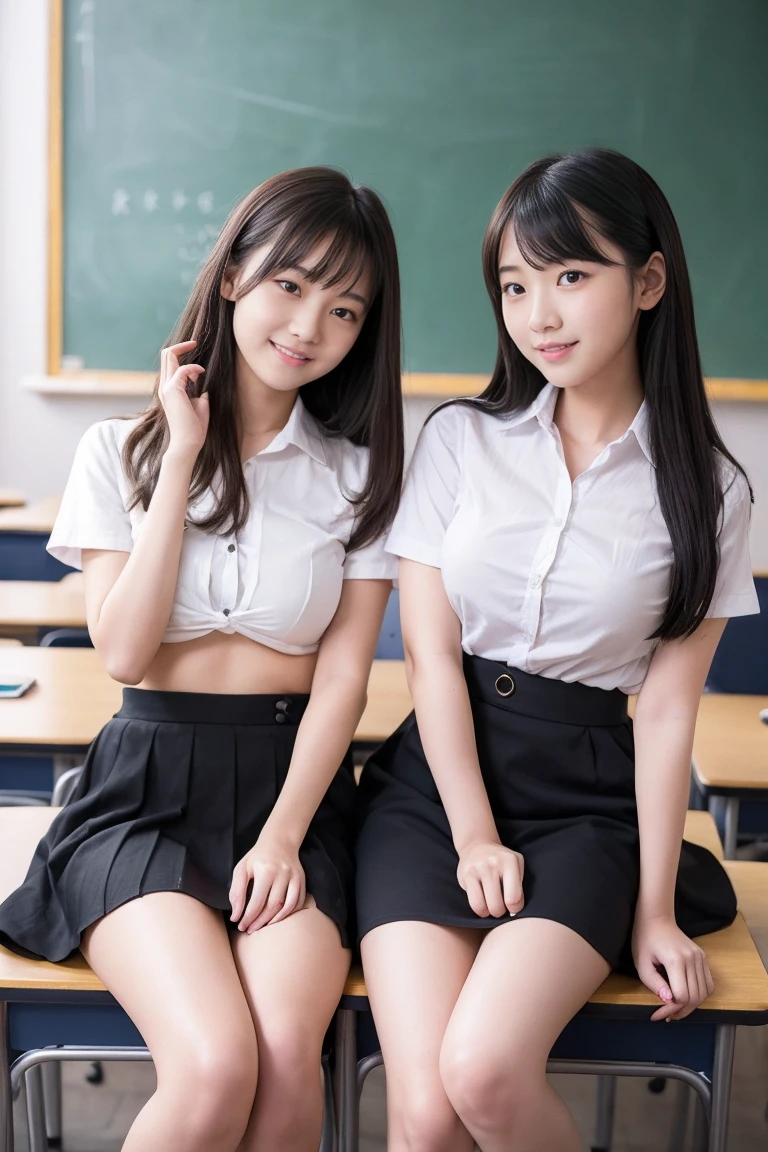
<point x="601" y="409"/>
<point x="262" y="411"/>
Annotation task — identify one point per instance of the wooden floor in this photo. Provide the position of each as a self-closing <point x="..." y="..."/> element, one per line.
<point x="97" y="1118"/>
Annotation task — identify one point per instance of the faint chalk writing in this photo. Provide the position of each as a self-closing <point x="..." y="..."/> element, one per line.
<point x="121" y="202"/>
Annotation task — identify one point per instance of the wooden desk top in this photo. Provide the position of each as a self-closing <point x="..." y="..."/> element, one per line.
<point x="42" y="603"/>
<point x="74" y="697"/>
<point x="740" y="978"/>
<point x="730" y="747"/>
<point x="750" y="879"/>
<point x="12" y="498"/>
<point x="37" y="517"/>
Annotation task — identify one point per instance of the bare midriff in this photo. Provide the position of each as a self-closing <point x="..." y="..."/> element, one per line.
<point x="230" y="664"/>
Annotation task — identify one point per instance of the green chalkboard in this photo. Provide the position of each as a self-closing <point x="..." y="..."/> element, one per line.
<point x="174" y="109"/>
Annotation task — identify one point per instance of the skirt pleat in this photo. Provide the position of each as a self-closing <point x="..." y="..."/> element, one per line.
<point x="558" y="765"/>
<point x="175" y="790"/>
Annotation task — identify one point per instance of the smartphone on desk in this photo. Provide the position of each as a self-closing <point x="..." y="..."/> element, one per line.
<point x="11" y="689"/>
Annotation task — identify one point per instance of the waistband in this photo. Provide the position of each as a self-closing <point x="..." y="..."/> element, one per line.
<point x="211" y="707"/>
<point x="542" y="698"/>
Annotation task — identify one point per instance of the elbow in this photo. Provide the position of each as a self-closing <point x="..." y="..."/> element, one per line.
<point x="124" y="667"/>
<point x="124" y="672"/>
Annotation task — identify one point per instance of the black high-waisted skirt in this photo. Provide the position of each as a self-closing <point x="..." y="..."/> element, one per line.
<point x="558" y="764"/>
<point x="176" y="789"/>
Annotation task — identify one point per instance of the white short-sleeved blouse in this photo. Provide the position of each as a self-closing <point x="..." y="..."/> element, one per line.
<point x="278" y="580"/>
<point x="567" y="580"/>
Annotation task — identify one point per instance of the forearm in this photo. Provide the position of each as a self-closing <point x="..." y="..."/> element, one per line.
<point x="325" y="733"/>
<point x="441" y="701"/>
<point x="662" y="780"/>
<point x="135" y="612"/>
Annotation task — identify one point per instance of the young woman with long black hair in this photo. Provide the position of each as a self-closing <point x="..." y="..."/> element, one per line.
<point x="231" y="542"/>
<point x="575" y="535"/>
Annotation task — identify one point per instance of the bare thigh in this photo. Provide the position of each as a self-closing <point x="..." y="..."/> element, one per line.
<point x="293" y="974"/>
<point x="529" y="979"/>
<point x="167" y="959"/>
<point x="414" y="974"/>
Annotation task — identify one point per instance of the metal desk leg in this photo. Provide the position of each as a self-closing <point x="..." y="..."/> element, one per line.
<point x="6" y="1099"/>
<point x="725" y="1039"/>
<point x="605" y="1110"/>
<point x="731" y="827"/>
<point x="38" y="1141"/>
<point x="52" y="1099"/>
<point x="345" y="1081"/>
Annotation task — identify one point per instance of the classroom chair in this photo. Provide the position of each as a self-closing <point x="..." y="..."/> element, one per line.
<point x="23" y="557"/>
<point x="66" y="638"/>
<point x="30" y="779"/>
<point x="740" y="667"/>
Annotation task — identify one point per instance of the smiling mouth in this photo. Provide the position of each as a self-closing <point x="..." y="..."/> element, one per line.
<point x="554" y="347"/>
<point x="297" y="356"/>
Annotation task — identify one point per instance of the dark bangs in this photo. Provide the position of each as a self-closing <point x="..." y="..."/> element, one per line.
<point x="550" y="229"/>
<point x="348" y="254"/>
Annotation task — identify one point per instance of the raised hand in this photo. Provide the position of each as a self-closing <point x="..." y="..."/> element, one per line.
<point x="187" y="417"/>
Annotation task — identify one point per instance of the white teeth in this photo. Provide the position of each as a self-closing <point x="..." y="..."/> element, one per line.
<point x="288" y="352"/>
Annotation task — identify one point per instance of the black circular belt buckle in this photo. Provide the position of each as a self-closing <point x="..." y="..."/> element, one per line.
<point x="505" y="685"/>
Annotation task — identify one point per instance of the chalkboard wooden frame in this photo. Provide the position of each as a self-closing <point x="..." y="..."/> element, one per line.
<point x="96" y="382"/>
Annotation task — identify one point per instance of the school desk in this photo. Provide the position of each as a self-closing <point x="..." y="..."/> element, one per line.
<point x="29" y="606"/>
<point x="24" y="534"/>
<point x="74" y="697"/>
<point x="730" y="754"/>
<point x="12" y="498"/>
<point x="37" y="517"/>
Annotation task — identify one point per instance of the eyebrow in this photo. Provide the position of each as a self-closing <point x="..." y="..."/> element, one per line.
<point x="509" y="268"/>
<point x="343" y="295"/>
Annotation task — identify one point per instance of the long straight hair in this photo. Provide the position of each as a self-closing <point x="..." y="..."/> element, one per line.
<point x="560" y="207"/>
<point x="360" y="398"/>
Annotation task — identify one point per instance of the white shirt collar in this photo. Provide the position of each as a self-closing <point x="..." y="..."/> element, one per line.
<point x="301" y="431"/>
<point x="543" y="410"/>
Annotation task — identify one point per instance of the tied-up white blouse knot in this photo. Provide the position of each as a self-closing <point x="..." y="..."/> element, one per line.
<point x="564" y="579"/>
<point x="278" y="580"/>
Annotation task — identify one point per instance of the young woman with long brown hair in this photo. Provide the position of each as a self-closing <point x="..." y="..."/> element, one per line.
<point x="230" y="539"/>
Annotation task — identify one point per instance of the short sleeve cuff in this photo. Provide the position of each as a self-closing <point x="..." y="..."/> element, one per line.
<point x="735" y="604"/>
<point x="370" y="564"/>
<point x="408" y="548"/>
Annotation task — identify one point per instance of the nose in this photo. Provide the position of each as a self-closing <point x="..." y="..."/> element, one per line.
<point x="306" y="322"/>
<point x="543" y="313"/>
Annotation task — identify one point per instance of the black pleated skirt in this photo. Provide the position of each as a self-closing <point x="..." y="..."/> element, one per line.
<point x="558" y="764"/>
<point x="176" y="789"/>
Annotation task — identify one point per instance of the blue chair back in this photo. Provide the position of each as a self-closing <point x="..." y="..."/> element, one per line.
<point x="390" y="645"/>
<point x="66" y="638"/>
<point x="23" y="557"/>
<point x="741" y="661"/>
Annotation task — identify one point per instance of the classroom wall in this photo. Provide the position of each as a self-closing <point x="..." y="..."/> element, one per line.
<point x="38" y="433"/>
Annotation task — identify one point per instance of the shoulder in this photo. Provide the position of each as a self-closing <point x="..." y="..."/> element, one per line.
<point x="107" y="438"/>
<point x="453" y="428"/>
<point x="734" y="485"/>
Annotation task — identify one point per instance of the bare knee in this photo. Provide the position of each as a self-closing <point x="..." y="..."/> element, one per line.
<point x="213" y="1089"/>
<point x="289" y="1097"/>
<point x="420" y="1118"/>
<point x="487" y="1093"/>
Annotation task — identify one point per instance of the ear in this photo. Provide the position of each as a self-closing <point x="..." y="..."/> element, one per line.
<point x="228" y="287"/>
<point x="652" y="281"/>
